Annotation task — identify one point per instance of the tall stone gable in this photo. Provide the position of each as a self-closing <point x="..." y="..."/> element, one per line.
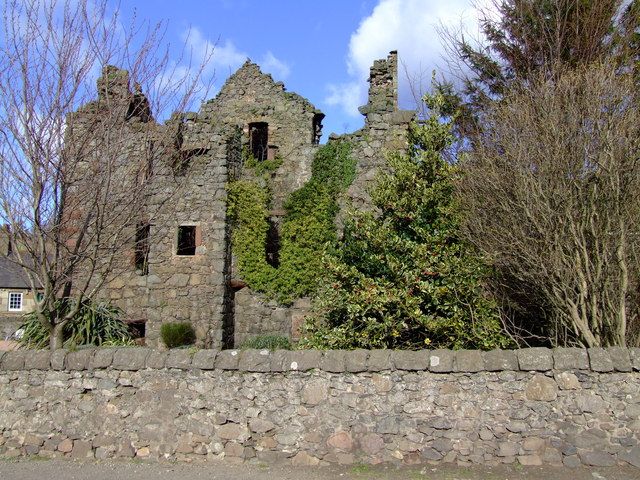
<point x="187" y="273"/>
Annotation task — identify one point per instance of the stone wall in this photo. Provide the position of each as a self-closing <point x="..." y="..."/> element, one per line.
<point x="536" y="406"/>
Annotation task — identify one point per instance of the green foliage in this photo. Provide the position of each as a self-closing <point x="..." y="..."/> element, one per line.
<point x="402" y="277"/>
<point x="95" y="324"/>
<point x="270" y="342"/>
<point x="307" y="230"/>
<point x="263" y="167"/>
<point x="177" y="334"/>
<point x="247" y="206"/>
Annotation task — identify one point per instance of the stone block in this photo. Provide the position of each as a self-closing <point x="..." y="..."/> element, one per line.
<point x="541" y="389"/>
<point x="597" y="459"/>
<point x="620" y="359"/>
<point x="303" y="459"/>
<point x="570" y="359"/>
<point x="600" y="360"/>
<point x="304" y="360"/>
<point x="315" y="392"/>
<point x="380" y="360"/>
<point x="156" y="359"/>
<point x="102" y="358"/>
<point x="356" y="361"/>
<point x="79" y="360"/>
<point x="538" y="359"/>
<point x="81" y="449"/>
<point x="204" y="359"/>
<point x="470" y="361"/>
<point x="634" y="356"/>
<point x="410" y="360"/>
<point x="500" y="360"/>
<point x="255" y="360"/>
<point x="178" y="358"/>
<point x="632" y="457"/>
<point x="14" y="360"/>
<point x="260" y="425"/>
<point x="280" y="361"/>
<point x="227" y="360"/>
<point x="441" y="361"/>
<point x="38" y="360"/>
<point x="58" y="359"/>
<point x="567" y="381"/>
<point x="333" y="361"/>
<point x="130" y="358"/>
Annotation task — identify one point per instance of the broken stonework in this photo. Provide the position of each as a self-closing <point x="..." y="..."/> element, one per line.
<point x="184" y="268"/>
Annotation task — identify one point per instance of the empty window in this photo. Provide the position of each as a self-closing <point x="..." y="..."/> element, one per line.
<point x="15" y="302"/>
<point x="186" y="240"/>
<point x="142" y="248"/>
<point x="316" y="128"/>
<point x="259" y="140"/>
<point x="272" y="246"/>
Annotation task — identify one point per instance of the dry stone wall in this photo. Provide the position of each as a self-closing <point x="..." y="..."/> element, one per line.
<point x="558" y="407"/>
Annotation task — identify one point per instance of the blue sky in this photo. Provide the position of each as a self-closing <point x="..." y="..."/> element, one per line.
<point x="320" y="49"/>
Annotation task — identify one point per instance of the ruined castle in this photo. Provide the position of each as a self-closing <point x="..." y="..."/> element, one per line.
<point x="185" y="269"/>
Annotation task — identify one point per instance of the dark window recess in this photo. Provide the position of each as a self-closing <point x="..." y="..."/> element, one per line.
<point x="272" y="246"/>
<point x="317" y="128"/>
<point x="186" y="240"/>
<point x="259" y="140"/>
<point x="142" y="248"/>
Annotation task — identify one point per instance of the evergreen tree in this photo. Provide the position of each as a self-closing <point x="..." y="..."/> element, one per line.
<point x="401" y="276"/>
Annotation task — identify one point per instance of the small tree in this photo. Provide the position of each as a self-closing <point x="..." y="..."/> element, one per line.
<point x="402" y="277"/>
<point x="551" y="190"/>
<point x="74" y="184"/>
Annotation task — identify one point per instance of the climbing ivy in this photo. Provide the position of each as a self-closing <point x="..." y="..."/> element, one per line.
<point x="307" y="230"/>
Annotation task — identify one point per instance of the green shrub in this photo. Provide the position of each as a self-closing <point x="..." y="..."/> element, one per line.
<point x="177" y="334"/>
<point x="402" y="277"/>
<point x="270" y="342"/>
<point x="95" y="324"/>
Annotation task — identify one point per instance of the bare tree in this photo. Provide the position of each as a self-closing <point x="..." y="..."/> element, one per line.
<point x="551" y="188"/>
<point x="76" y="170"/>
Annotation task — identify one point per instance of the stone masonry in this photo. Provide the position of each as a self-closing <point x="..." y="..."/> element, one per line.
<point x="537" y="406"/>
<point x="251" y="115"/>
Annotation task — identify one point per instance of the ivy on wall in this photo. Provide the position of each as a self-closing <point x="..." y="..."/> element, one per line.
<point x="307" y="230"/>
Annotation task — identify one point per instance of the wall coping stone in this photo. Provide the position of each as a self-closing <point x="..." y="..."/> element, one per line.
<point x="601" y="360"/>
<point x="500" y="360"/>
<point x="469" y="361"/>
<point x="535" y="359"/>
<point x="179" y="358"/>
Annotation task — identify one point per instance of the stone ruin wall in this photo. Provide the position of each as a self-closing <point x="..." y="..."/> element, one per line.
<point x="537" y="406"/>
<point x="189" y="189"/>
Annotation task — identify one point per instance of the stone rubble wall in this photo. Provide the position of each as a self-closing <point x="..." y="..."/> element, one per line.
<point x="535" y="406"/>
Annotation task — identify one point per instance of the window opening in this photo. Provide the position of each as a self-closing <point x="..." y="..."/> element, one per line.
<point x="316" y="129"/>
<point x="186" y="240"/>
<point x="15" y="302"/>
<point x="259" y="140"/>
<point x="272" y="245"/>
<point x="142" y="248"/>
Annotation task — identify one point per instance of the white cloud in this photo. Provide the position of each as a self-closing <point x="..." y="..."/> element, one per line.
<point x="348" y="95"/>
<point x="409" y="26"/>
<point x="270" y="64"/>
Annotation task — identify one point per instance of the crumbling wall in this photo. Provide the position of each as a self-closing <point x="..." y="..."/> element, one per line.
<point x="384" y="131"/>
<point x="194" y="156"/>
<point x="249" y="97"/>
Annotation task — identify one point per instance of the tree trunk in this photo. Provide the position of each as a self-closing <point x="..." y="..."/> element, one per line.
<point x="56" y="339"/>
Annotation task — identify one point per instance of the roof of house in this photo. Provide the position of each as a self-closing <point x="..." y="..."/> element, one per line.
<point x="11" y="274"/>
